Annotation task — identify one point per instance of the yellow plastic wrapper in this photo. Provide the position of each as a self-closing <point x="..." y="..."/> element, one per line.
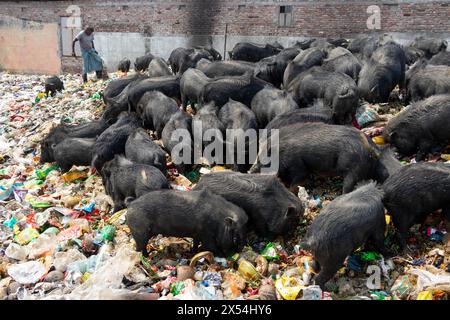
<point x="116" y="216"/>
<point x="445" y="157"/>
<point x="288" y="287"/>
<point x="425" y="295"/>
<point x="208" y="255"/>
<point x="85" y="277"/>
<point x="388" y="218"/>
<point x="378" y="140"/>
<point x="218" y="168"/>
<point x="74" y="175"/>
<point x="248" y="271"/>
<point x="26" y="235"/>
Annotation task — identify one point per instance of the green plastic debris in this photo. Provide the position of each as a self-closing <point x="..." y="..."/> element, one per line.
<point x="148" y="267"/>
<point x="380" y="295"/>
<point x="369" y="256"/>
<point x="42" y="174"/>
<point x="193" y="176"/>
<point x="234" y="257"/>
<point x="108" y="232"/>
<point x="96" y="96"/>
<point x="269" y="252"/>
<point x="176" y="287"/>
<point x="40" y="204"/>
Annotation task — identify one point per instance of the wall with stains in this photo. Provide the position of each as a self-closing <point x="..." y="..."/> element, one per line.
<point x="29" y="46"/>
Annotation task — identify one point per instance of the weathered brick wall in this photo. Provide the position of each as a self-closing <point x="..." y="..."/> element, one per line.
<point x="244" y="17"/>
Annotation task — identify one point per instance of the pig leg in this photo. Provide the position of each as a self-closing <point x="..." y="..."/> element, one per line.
<point x="158" y="130"/>
<point x="446" y="214"/>
<point x="117" y="198"/>
<point x="377" y="239"/>
<point x="425" y="147"/>
<point x="65" y="167"/>
<point x="184" y="101"/>
<point x="328" y="270"/>
<point x="403" y="224"/>
<point x="293" y="176"/>
<point x="315" y="265"/>
<point x="141" y="235"/>
<point x="350" y="181"/>
<point x="195" y="245"/>
<point x="118" y="205"/>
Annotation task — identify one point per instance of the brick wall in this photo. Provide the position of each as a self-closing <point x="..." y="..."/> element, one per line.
<point x="251" y="17"/>
<point x="130" y="28"/>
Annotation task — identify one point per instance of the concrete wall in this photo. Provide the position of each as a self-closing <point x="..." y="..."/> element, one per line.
<point x="29" y="47"/>
<point x="114" y="46"/>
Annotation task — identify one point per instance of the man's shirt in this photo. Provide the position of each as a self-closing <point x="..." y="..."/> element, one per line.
<point x="85" y="40"/>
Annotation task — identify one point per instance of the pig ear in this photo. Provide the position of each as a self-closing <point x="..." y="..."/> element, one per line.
<point x="229" y="221"/>
<point x="290" y="212"/>
<point x="393" y="135"/>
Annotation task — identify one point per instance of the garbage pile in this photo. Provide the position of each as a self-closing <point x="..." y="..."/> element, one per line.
<point x="59" y="239"/>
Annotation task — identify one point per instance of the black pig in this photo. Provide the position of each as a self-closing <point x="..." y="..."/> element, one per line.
<point x="306" y="148"/>
<point x="178" y="132"/>
<point x="57" y="134"/>
<point x="271" y="208"/>
<point x="53" y="84"/>
<point x="139" y="148"/>
<point x="271" y="102"/>
<point x="207" y="218"/>
<point x="125" y="180"/>
<point x="73" y="151"/>
<point x="338" y="91"/>
<point x="420" y="127"/>
<point x="415" y="191"/>
<point x="155" y="109"/>
<point x="343" y="226"/>
<point x="112" y="140"/>
<point x="124" y="65"/>
<point x="236" y="117"/>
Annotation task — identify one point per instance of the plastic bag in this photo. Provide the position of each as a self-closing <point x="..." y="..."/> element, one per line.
<point x="312" y="293"/>
<point x="428" y="281"/>
<point x="425" y="295"/>
<point x="402" y="287"/>
<point x="366" y="114"/>
<point x="44" y="245"/>
<point x="64" y="259"/>
<point x="288" y="287"/>
<point x="27" y="272"/>
<point x="108" y="232"/>
<point x="16" y="251"/>
<point x="198" y="293"/>
<point x="108" y="276"/>
<point x="74" y="175"/>
<point x="270" y="253"/>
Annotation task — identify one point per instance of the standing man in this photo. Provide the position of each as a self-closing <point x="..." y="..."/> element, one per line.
<point x="91" y="59"/>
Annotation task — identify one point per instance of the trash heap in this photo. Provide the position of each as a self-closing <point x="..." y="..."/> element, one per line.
<point x="59" y="239"/>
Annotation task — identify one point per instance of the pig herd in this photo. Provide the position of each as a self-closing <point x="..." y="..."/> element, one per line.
<point x="310" y="93"/>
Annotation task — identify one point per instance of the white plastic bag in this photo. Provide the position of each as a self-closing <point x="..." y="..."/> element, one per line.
<point x="27" y="272"/>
